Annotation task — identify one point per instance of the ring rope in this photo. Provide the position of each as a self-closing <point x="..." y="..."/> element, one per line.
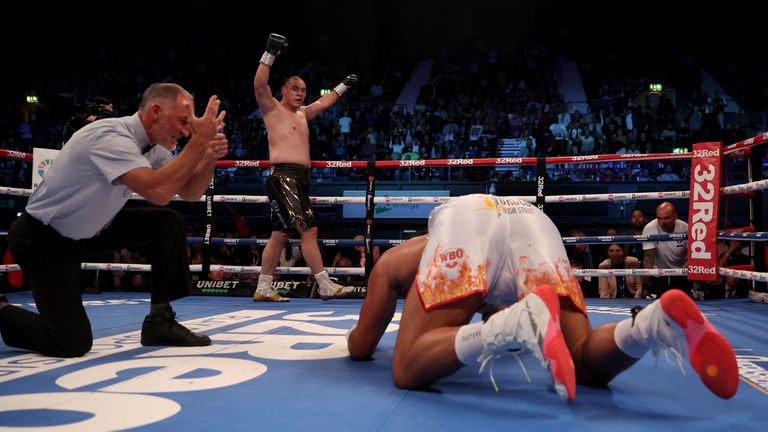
<point x="739" y="149"/>
<point x="197" y="268"/>
<point x="618" y="239"/>
<point x="294" y="242"/>
<point x="634" y="196"/>
<point x="359" y="271"/>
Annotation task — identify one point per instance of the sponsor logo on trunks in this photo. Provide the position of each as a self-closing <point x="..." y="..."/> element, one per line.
<point x="451" y="257"/>
<point x="511" y="202"/>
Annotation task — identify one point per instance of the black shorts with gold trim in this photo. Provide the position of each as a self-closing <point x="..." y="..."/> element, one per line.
<point x="288" y="192"/>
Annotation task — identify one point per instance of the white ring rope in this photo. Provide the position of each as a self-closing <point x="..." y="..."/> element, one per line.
<point x="384" y="199"/>
<point x="619" y="239"/>
<point x="217" y="241"/>
<point x="724" y="271"/>
<point x="752" y="236"/>
<point x="744" y="274"/>
<point x="197" y="268"/>
<point x="630" y="272"/>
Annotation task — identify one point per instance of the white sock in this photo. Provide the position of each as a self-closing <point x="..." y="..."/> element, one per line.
<point x="469" y="343"/>
<point x="264" y="285"/>
<point x="628" y="339"/>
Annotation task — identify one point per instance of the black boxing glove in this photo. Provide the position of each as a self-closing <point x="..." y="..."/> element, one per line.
<point x="276" y="44"/>
<point x="346" y="84"/>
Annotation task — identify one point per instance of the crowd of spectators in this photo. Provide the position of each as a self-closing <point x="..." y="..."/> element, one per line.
<point x="475" y="97"/>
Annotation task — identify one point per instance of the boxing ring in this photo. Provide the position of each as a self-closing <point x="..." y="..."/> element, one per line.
<point x="285" y="366"/>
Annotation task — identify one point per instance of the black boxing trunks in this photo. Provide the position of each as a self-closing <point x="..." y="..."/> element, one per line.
<point x="288" y="192"/>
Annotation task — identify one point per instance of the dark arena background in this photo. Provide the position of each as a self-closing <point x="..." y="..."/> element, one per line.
<point x="589" y="110"/>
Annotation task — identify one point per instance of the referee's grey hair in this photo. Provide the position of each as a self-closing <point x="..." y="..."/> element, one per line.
<point x="163" y="91"/>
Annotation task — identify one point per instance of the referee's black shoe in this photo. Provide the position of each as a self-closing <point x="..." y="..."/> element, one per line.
<point x="161" y="328"/>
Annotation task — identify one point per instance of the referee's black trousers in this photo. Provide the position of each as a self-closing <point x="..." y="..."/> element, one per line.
<point x="51" y="265"/>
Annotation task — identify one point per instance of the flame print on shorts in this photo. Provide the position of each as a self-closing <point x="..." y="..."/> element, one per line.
<point x="531" y="275"/>
<point x="450" y="276"/>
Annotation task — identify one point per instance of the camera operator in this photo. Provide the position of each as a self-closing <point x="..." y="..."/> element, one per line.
<point x="98" y="108"/>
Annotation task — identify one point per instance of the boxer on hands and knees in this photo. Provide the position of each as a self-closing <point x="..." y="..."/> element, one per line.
<point x="288" y="182"/>
<point x="484" y="252"/>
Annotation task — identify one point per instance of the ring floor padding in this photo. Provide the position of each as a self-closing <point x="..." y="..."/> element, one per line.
<point x="285" y="368"/>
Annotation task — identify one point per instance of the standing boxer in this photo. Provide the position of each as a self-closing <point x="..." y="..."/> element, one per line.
<point x="288" y="182"/>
